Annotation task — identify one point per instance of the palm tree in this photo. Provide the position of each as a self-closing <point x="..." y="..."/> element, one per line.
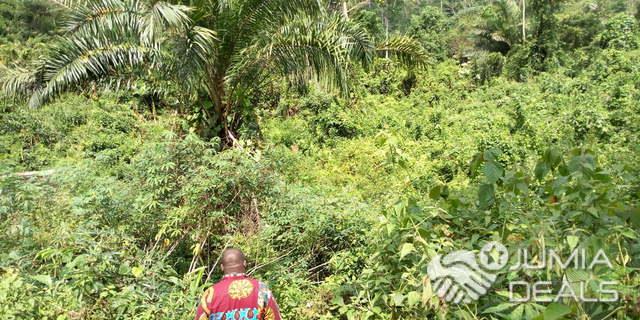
<point x="99" y="38"/>
<point x="226" y="48"/>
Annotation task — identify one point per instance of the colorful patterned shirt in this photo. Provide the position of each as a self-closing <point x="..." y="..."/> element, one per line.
<point x="238" y="297"/>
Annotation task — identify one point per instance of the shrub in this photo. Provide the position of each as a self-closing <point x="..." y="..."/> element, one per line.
<point x="487" y="66"/>
<point x="621" y="32"/>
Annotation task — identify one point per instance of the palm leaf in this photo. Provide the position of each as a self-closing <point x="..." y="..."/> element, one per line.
<point x="20" y="82"/>
<point x="406" y="49"/>
<point x="164" y="16"/>
<point x="194" y="51"/>
<point x="303" y="49"/>
<point x="80" y="59"/>
<point x="100" y="15"/>
<point x="101" y="38"/>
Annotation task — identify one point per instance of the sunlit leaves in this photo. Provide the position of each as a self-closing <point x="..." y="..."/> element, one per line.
<point x="554" y="311"/>
<point x="406" y="249"/>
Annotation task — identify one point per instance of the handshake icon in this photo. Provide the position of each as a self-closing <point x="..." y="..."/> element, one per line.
<point x="461" y="276"/>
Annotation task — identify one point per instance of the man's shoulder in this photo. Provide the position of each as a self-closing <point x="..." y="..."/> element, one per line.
<point x="262" y="285"/>
<point x="224" y="282"/>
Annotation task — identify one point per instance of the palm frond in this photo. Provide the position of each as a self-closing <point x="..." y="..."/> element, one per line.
<point x="192" y="53"/>
<point x="126" y="17"/>
<point x="19" y="82"/>
<point x="260" y="11"/>
<point x="200" y="43"/>
<point x="163" y="16"/>
<point x="168" y="15"/>
<point x="220" y="5"/>
<point x="68" y="4"/>
<point x="356" y="40"/>
<point x="406" y="49"/>
<point x="255" y="16"/>
<point x="102" y="37"/>
<point x="306" y="48"/>
<point x="100" y="15"/>
<point x="79" y="59"/>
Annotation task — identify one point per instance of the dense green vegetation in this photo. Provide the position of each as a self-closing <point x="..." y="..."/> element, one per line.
<point x="340" y="181"/>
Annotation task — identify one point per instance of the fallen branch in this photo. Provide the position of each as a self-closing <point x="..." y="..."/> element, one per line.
<point x="31" y="174"/>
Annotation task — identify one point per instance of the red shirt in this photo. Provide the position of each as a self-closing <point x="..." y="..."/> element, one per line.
<point x="238" y="297"/>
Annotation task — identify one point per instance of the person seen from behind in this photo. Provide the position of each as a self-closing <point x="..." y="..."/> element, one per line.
<point x="237" y="296"/>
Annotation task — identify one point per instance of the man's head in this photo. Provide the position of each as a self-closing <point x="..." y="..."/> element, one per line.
<point x="233" y="261"/>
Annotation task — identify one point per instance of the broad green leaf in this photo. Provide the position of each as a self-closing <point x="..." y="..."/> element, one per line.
<point x="541" y="170"/>
<point x="137" y="271"/>
<point x="434" y="193"/>
<point x="405" y="249"/>
<point x="555" y="311"/>
<point x="486" y="195"/>
<point x="577" y="275"/>
<point x="124" y="269"/>
<point x="413" y="298"/>
<point x="499" y="308"/>
<point x="516" y="314"/>
<point x="553" y="157"/>
<point x="493" y="172"/>
<point x="572" y="241"/>
<point x="397" y="299"/>
<point x="492" y="154"/>
<point x="44" y="279"/>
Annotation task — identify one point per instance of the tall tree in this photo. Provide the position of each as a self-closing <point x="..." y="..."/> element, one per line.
<point x="544" y="31"/>
<point x="502" y="26"/>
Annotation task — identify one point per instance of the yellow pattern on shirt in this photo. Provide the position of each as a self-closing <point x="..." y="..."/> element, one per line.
<point x="239" y="289"/>
<point x="268" y="314"/>
<point x="207" y="298"/>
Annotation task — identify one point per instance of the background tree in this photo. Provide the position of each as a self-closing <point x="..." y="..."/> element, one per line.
<point x="432" y="28"/>
<point x="501" y="26"/>
<point x="544" y="31"/>
<point x="23" y="18"/>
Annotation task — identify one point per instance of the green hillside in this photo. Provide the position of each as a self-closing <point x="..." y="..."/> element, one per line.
<point x="118" y="192"/>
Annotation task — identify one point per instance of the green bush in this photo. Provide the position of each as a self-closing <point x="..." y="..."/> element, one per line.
<point x="410" y="233"/>
<point x="621" y="32"/>
<point x="487" y="66"/>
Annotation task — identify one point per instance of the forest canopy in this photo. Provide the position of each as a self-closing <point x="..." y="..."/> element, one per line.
<point x="342" y="145"/>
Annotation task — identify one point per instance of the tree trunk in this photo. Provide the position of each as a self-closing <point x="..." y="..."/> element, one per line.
<point x="524" y="22"/>
<point x="386" y="32"/>
<point x="214" y="123"/>
<point x="218" y="122"/>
